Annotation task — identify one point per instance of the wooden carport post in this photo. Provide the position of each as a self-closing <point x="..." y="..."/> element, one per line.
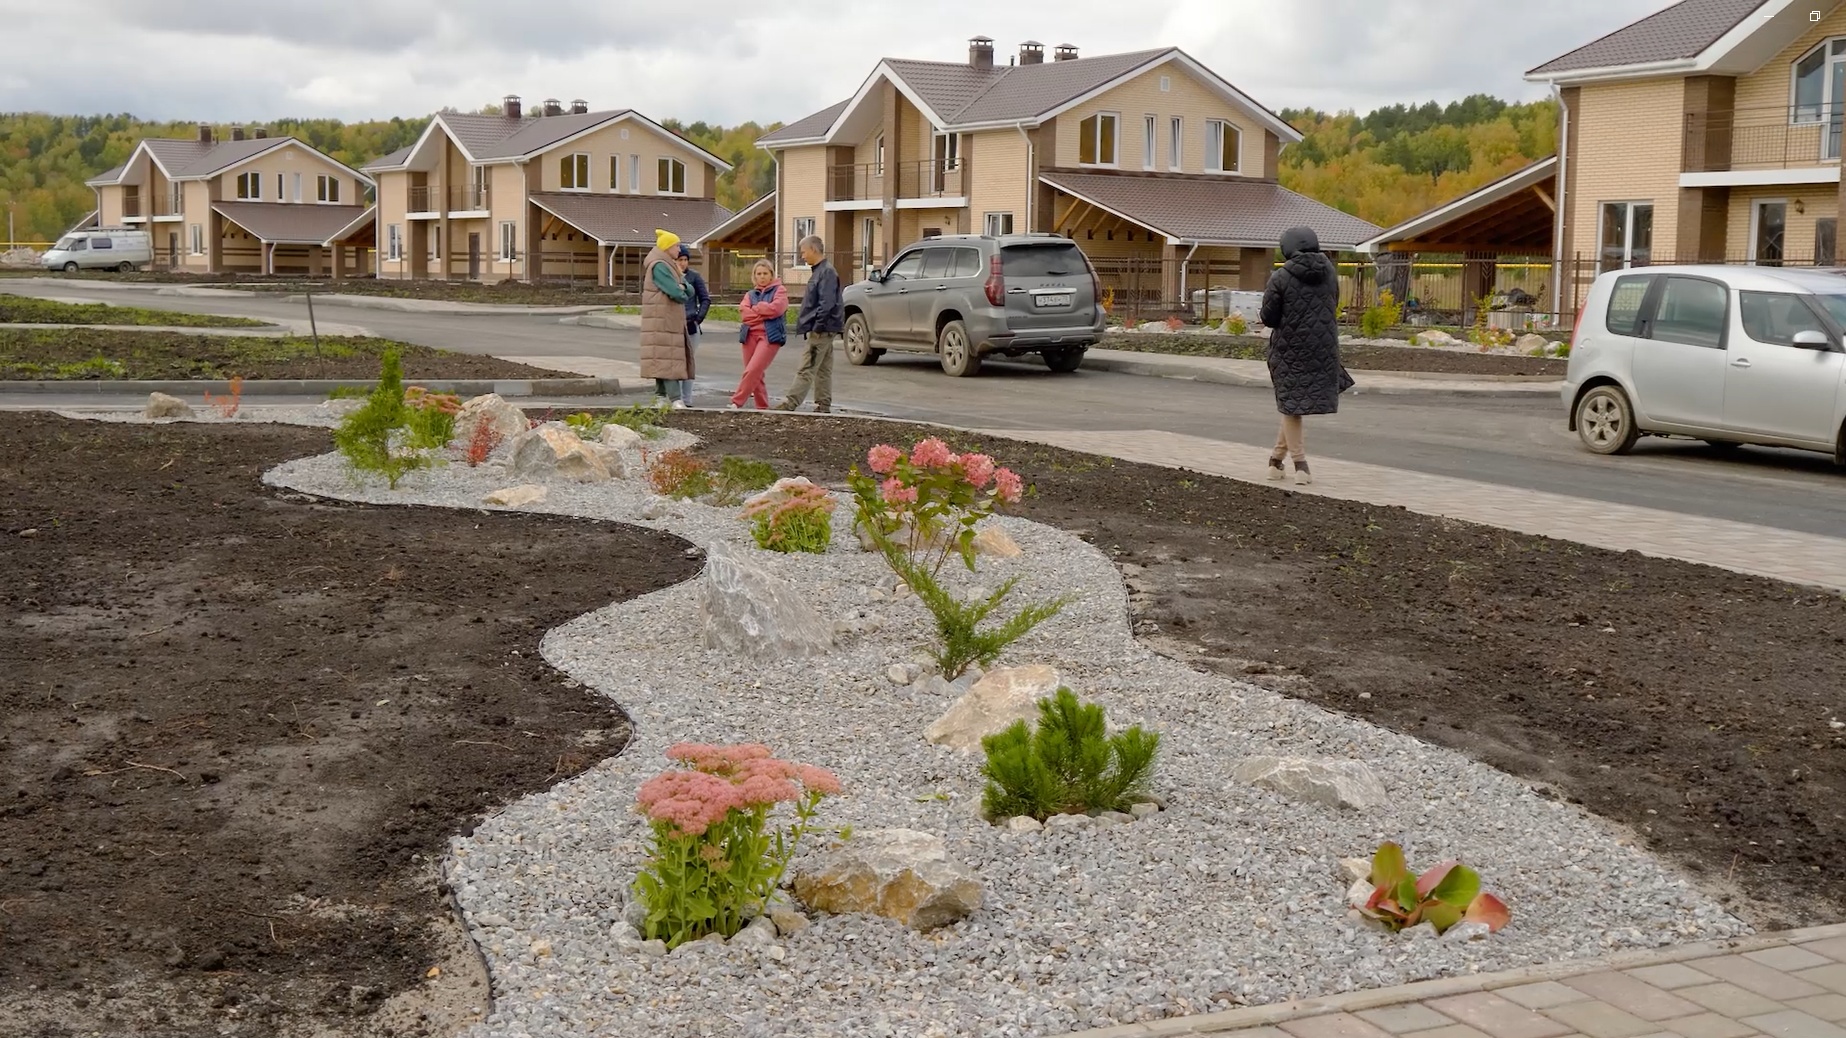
<point x="1479" y="271"/>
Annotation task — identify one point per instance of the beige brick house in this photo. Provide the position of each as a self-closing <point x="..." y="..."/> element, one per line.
<point x="554" y="193"/>
<point x="1707" y="132"/>
<point x="1157" y="166"/>
<point x="251" y="203"/>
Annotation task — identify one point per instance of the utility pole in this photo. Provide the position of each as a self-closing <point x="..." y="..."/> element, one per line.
<point x="11" y="242"/>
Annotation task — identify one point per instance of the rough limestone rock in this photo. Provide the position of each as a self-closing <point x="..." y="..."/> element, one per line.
<point x="1332" y="783"/>
<point x="992" y="705"/>
<point x="620" y="437"/>
<point x="553" y="451"/>
<point x="340" y="407"/>
<point x="1433" y="338"/>
<point x="1532" y="344"/>
<point x="516" y="497"/>
<point x="995" y="542"/>
<point x="505" y="419"/>
<point x="900" y="874"/>
<point x="612" y="458"/>
<point x="160" y="405"/>
<point x="751" y="612"/>
<point x="778" y="488"/>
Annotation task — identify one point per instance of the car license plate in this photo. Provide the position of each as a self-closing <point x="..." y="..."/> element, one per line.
<point x="1057" y="300"/>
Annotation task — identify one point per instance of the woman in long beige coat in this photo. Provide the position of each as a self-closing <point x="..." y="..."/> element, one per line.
<point x="665" y="357"/>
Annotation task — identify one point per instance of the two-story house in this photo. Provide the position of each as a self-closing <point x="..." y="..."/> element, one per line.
<point x="250" y="204"/>
<point x="1707" y="132"/>
<point x="1154" y="163"/>
<point x="552" y="194"/>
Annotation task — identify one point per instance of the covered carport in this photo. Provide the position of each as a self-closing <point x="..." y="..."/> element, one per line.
<point x="292" y="238"/>
<point x="1493" y="241"/>
<point x="729" y="250"/>
<point x="608" y="236"/>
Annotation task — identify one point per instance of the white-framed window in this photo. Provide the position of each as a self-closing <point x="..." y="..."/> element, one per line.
<point x="1626" y="234"/>
<point x="615" y="174"/>
<point x="279" y="196"/>
<point x="394" y="242"/>
<point x="804" y="226"/>
<point x="634" y="174"/>
<point x="574" y="172"/>
<point x="435" y="241"/>
<point x="250" y="185"/>
<point x="327" y="189"/>
<point x="197" y="234"/>
<point x="670" y="176"/>
<point x="1166" y="83"/>
<point x="1176" y="144"/>
<point x="509" y="241"/>
<point x="176" y="198"/>
<point x="868" y="237"/>
<point x="1097" y="139"/>
<point x="1151" y="153"/>
<point x="1769" y="231"/>
<point x="1223" y="141"/>
<point x="945" y="148"/>
<point x="1817" y="92"/>
<point x="878" y="160"/>
<point x="995" y="224"/>
<point x="297" y="194"/>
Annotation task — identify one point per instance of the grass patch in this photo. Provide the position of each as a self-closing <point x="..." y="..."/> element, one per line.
<point x="27" y="310"/>
<point x="93" y="353"/>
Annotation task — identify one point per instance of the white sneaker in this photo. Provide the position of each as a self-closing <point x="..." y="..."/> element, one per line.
<point x="678" y="405"/>
<point x="735" y="407"/>
<point x="1302" y="476"/>
<point x="1276" y="472"/>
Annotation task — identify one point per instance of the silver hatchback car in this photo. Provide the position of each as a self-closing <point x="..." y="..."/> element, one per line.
<point x="1729" y="355"/>
<point x="965" y="297"/>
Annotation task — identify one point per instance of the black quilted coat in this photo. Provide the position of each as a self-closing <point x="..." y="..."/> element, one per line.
<point x="1301" y="310"/>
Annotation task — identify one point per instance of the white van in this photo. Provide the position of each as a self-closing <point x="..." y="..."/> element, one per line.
<point x="105" y="248"/>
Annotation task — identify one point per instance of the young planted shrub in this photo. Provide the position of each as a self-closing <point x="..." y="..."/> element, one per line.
<point x="793" y="517"/>
<point x="1236" y="324"/>
<point x="366" y="437"/>
<point x="228" y="404"/>
<point x="1382" y="316"/>
<point x="429" y="418"/>
<point x="738" y="478"/>
<point x="717" y="855"/>
<point x="680" y="473"/>
<point x="1069" y="764"/>
<point x="481" y="443"/>
<point x="1446" y="894"/>
<point x="586" y="425"/>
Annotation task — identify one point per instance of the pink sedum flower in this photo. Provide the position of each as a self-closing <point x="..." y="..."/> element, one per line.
<point x="818" y="780"/>
<point x="883" y="458"/>
<point x="766" y="791"/>
<point x="1009" y="486"/>
<point x="931" y="453"/>
<point x="689" y="801"/>
<point x="895" y="492"/>
<point x="978" y="470"/>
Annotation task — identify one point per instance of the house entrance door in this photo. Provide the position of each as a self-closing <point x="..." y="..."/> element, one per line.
<point x="474" y="256"/>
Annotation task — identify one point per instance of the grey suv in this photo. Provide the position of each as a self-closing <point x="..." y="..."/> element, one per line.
<point x="967" y="297"/>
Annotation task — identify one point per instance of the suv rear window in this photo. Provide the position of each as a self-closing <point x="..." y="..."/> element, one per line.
<point x="1042" y="261"/>
<point x="1624" y="317"/>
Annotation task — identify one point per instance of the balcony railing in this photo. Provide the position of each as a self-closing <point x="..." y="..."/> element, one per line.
<point x="135" y="207"/>
<point x="473" y="198"/>
<point x="1762" y="138"/>
<point x="865" y="181"/>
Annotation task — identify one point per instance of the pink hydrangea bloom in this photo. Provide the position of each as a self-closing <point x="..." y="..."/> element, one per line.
<point x="895" y="492"/>
<point x="690" y="801"/>
<point x="977" y="469"/>
<point x="931" y="453"/>
<point x="883" y="458"/>
<point x="818" y="780"/>
<point x="1009" y="486"/>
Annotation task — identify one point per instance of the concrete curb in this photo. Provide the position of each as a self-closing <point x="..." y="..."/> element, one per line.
<point x="622" y="322"/>
<point x="1203" y="370"/>
<point x="571" y="387"/>
<point x="436" y="306"/>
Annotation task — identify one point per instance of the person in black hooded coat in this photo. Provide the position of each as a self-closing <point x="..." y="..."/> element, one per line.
<point x="1301" y="308"/>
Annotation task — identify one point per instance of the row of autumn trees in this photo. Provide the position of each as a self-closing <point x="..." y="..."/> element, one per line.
<point x="1385" y="166"/>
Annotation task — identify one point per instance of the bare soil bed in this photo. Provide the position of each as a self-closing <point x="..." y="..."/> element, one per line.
<point x="241" y="726"/>
<point x="1358" y="358"/>
<point x="1693" y="704"/>
<point x="559" y="293"/>
<point x="98" y="353"/>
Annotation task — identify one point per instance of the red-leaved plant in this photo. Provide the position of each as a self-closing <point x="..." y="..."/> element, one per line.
<point x="481" y="442"/>
<point x="715" y="860"/>
<point x="227" y="405"/>
<point x="1446" y="894"/>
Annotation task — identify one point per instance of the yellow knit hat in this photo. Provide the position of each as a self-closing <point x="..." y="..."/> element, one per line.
<point x="665" y="240"/>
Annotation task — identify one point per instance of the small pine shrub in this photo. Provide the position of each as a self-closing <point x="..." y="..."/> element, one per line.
<point x="1069" y="764"/>
<point x="365" y="436"/>
<point x="1235" y="324"/>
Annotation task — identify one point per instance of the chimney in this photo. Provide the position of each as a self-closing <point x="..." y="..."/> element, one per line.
<point x="237" y="133"/>
<point x="552" y="107"/>
<point x="205" y="133"/>
<point x="1031" y="52"/>
<point x="260" y="133"/>
<point x="579" y="107"/>
<point x="981" y="52"/>
<point x="509" y="106"/>
<point x="1065" y="52"/>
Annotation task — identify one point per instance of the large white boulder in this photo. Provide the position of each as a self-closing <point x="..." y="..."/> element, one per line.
<point x="160" y="405"/>
<point x="505" y="419"/>
<point x="900" y="874"/>
<point x="996" y="701"/>
<point x="1330" y="783"/>
<point x="553" y="451"/>
<point x="619" y="437"/>
<point x="1534" y="345"/>
<point x="516" y="497"/>
<point x="750" y="611"/>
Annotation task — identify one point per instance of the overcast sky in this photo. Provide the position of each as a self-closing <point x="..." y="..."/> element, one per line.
<point x="725" y="61"/>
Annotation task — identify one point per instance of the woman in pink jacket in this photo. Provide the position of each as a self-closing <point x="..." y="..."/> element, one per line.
<point x="765" y="329"/>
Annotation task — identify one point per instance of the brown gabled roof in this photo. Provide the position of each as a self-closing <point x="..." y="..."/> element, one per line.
<point x="1681" y="31"/>
<point x="1028" y="91"/>
<point x="108" y="176"/>
<point x="810" y="126"/>
<point x="1214" y="211"/>
<point x="493" y="137"/>
<point x="632" y="219"/>
<point x="290" y="223"/>
<point x="391" y="161"/>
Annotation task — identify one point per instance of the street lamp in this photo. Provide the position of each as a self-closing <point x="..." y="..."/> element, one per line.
<point x="11" y="242"/>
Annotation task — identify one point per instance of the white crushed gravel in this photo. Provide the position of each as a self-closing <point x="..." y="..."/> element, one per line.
<point x="1231" y="896"/>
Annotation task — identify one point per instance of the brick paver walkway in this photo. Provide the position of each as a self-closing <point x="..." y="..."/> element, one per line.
<point x="1746" y="548"/>
<point x="1787" y="985"/>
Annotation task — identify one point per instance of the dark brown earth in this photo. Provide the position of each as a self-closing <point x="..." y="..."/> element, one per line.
<point x="553" y="293"/>
<point x="1358" y="358"/>
<point x="80" y="353"/>
<point x="1693" y="704"/>
<point x="241" y="725"/>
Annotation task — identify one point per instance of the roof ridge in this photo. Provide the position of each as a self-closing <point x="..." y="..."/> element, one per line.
<point x="998" y="80"/>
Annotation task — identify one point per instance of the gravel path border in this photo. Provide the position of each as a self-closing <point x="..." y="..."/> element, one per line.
<point x="1229" y="897"/>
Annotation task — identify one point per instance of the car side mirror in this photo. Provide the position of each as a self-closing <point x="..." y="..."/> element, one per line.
<point x="876" y="275"/>
<point x="1813" y="339"/>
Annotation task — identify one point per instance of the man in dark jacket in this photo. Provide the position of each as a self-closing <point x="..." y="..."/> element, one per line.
<point x="823" y="318"/>
<point x="1301" y="309"/>
<point x="698" y="304"/>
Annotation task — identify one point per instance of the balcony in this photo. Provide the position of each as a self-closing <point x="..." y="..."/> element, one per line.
<point x="472" y="199"/>
<point x="865" y="181"/>
<point x="1762" y="139"/>
<point x="135" y="208"/>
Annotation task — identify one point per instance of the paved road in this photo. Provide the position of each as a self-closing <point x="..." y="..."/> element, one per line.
<point x="1513" y="443"/>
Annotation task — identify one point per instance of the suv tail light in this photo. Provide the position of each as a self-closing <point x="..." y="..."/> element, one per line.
<point x="996" y="282"/>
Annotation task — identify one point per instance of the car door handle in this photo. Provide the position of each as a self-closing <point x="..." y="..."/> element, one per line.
<point x="1015" y="291"/>
<point x="942" y="288"/>
<point x="1741" y="362"/>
